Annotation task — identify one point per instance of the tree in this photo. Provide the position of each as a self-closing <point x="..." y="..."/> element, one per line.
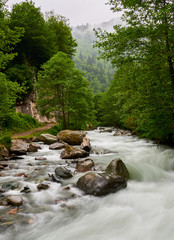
<point x="8" y="37"/>
<point x="8" y="95"/>
<point x="148" y="34"/>
<point x="141" y="96"/>
<point x="62" y="34"/>
<point x="62" y="90"/>
<point x="36" y="45"/>
<point x="8" y="89"/>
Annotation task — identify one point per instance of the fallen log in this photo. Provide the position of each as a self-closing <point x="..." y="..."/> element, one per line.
<point x="85" y="145"/>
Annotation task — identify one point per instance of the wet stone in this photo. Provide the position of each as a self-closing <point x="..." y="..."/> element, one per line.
<point x="63" y="172"/>
<point x="85" y="165"/>
<point x="118" y="167"/>
<point x="26" y="189"/>
<point x="41" y="158"/>
<point x="42" y="186"/>
<point x="54" y="178"/>
<point x="15" y="200"/>
<point x="33" y="147"/>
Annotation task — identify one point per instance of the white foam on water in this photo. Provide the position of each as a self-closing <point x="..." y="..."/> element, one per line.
<point x="144" y="210"/>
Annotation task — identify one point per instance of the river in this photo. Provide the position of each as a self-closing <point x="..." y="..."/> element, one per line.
<point x="142" y="211"/>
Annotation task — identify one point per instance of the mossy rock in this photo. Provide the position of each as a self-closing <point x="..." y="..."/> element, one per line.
<point x="71" y="137"/>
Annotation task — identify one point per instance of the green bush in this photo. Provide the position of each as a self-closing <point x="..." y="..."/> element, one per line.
<point x="55" y="129"/>
<point x="19" y="122"/>
<point x="5" y="139"/>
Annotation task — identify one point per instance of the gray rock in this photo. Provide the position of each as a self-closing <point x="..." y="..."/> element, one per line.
<point x="117" y="167"/>
<point x="96" y="184"/>
<point x="48" y="138"/>
<point x="54" y="178"/>
<point x="33" y="147"/>
<point x="71" y="152"/>
<point x="71" y="137"/>
<point x="56" y="146"/>
<point x="85" y="165"/>
<point x="15" y="200"/>
<point x="63" y="172"/>
<point x="121" y="132"/>
<point x="106" y="130"/>
<point x="19" y="147"/>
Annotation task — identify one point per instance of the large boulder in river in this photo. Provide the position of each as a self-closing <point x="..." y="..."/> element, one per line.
<point x="100" y="184"/>
<point x="48" y="138"/>
<point x="71" y="152"/>
<point x="71" y="137"/>
<point x="19" y="147"/>
<point x="117" y="167"/>
<point x="85" y="165"/>
<point x="3" y="152"/>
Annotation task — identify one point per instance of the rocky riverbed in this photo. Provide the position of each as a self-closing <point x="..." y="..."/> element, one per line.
<point x="35" y="170"/>
<point x="44" y="196"/>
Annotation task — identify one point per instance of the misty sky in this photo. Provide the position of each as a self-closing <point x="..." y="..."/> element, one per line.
<point x="77" y="11"/>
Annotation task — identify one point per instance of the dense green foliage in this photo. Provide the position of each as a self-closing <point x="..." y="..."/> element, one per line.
<point x="27" y="41"/>
<point x="98" y="72"/>
<point x="141" y="96"/>
<point x="19" y="122"/>
<point x="66" y="93"/>
<point x="41" y="39"/>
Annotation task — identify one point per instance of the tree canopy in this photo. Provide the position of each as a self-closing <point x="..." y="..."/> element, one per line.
<point x="141" y="96"/>
<point x="63" y="91"/>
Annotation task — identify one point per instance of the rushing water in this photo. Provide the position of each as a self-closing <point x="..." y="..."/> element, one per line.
<point x="142" y="211"/>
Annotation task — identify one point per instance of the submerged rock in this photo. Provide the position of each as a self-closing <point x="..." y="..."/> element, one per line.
<point x="85" y="165"/>
<point x="19" y="147"/>
<point x="96" y="184"/>
<point x="71" y="137"/>
<point x="118" y="167"/>
<point x="48" y="138"/>
<point x="71" y="152"/>
<point x="15" y="200"/>
<point x="10" y="185"/>
<point x="63" y="172"/>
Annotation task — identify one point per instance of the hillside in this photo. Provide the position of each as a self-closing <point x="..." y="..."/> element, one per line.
<point x="98" y="72"/>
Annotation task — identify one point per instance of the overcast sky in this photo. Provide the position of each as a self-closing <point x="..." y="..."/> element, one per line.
<point x="77" y="11"/>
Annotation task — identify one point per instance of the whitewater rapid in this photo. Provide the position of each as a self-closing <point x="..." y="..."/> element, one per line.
<point x="144" y="210"/>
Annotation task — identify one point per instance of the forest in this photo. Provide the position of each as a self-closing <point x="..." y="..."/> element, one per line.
<point x="38" y="52"/>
